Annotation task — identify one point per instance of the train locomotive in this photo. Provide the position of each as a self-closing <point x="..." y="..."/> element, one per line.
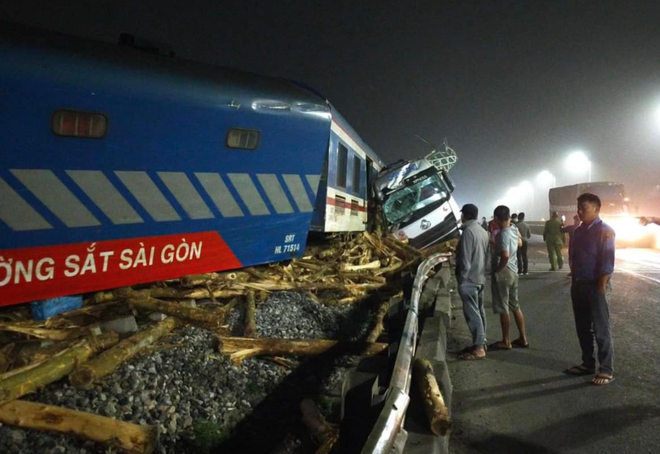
<point x="121" y="166"/>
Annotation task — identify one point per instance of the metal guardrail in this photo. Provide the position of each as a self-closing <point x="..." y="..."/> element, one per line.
<point x="392" y="416"/>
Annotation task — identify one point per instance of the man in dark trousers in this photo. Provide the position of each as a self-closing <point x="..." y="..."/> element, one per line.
<point x="525" y="235"/>
<point x="592" y="256"/>
<point x="471" y="254"/>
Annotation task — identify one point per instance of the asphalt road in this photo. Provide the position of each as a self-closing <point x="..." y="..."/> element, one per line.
<point x="518" y="401"/>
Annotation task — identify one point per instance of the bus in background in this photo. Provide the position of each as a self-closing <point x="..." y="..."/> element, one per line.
<point x="615" y="210"/>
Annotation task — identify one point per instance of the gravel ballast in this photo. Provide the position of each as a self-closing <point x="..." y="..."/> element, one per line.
<point x="197" y="397"/>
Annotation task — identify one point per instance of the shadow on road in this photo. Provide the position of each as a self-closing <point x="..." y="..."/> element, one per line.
<point x="573" y="433"/>
<point x="488" y="400"/>
<point x="532" y="357"/>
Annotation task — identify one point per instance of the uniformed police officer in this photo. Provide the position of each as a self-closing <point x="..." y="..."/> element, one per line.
<point x="554" y="241"/>
<point x="592" y="258"/>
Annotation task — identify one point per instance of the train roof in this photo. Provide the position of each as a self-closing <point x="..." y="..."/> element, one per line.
<point x="81" y="60"/>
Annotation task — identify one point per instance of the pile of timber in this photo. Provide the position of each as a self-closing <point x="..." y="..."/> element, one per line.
<point x="344" y="269"/>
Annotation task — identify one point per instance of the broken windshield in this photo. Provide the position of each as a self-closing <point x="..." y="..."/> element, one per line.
<point x="401" y="204"/>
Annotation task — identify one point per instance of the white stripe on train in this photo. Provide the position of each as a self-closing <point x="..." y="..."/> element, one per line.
<point x="19" y="215"/>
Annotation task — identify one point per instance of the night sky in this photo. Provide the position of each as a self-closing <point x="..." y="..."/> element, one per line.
<point x="514" y="86"/>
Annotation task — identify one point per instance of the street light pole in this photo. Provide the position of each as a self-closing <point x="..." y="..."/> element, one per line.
<point x="589" y="161"/>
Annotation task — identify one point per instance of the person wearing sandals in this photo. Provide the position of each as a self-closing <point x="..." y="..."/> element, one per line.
<point x="505" y="283"/>
<point x="471" y="253"/>
<point x="592" y="257"/>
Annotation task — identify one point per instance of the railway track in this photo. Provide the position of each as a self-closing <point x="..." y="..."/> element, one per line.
<point x="203" y="401"/>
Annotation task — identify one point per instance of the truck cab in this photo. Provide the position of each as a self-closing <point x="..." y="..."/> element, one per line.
<point x="417" y="204"/>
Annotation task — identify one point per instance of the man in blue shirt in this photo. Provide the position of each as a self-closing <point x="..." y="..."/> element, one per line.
<point x="592" y="257"/>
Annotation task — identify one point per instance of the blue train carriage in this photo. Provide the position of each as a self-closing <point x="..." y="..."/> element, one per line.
<point x="120" y="167"/>
<point x="345" y="190"/>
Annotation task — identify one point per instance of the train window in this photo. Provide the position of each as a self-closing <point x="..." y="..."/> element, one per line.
<point x="342" y="160"/>
<point x="340" y="205"/>
<point x="357" y="165"/>
<point x="244" y="139"/>
<point x="355" y="207"/>
<point x="86" y="125"/>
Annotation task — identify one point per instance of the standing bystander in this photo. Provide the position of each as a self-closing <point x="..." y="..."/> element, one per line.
<point x="554" y="241"/>
<point x="471" y="254"/>
<point x="525" y="235"/>
<point x="505" y="283"/>
<point x="592" y="256"/>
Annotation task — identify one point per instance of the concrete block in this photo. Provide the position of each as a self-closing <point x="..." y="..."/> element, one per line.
<point x="432" y="344"/>
<point x="123" y="325"/>
<point x="443" y="307"/>
<point x="444" y="275"/>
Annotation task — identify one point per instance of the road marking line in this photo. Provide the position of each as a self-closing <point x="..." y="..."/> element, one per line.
<point x="641" y="276"/>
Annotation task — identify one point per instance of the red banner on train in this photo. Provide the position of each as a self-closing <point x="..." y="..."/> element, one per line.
<point x="37" y="273"/>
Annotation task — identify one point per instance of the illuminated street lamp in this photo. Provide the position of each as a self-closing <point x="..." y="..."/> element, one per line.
<point x="578" y="160"/>
<point x="546" y="179"/>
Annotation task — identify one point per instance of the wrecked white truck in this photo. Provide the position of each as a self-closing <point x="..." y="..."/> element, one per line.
<point x="416" y="201"/>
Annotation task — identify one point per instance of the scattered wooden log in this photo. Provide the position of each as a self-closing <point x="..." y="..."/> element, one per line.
<point x="36" y="354"/>
<point x="250" y="311"/>
<point x="197" y="316"/>
<point x="127" y="437"/>
<point x="42" y="333"/>
<point x="103" y="297"/>
<point x="194" y="280"/>
<point x="214" y="279"/>
<point x="6" y="357"/>
<point x="240" y="348"/>
<point x="93" y="312"/>
<point x="434" y="404"/>
<point x="105" y="363"/>
<point x="363" y="276"/>
<point x="401" y="249"/>
<point x="377" y="244"/>
<point x="321" y="431"/>
<point x="367" y="266"/>
<point x="379" y="326"/>
<point x="312" y="286"/>
<point x="394" y="266"/>
<point x="201" y="293"/>
<point x="445" y="247"/>
<point x="15" y="384"/>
